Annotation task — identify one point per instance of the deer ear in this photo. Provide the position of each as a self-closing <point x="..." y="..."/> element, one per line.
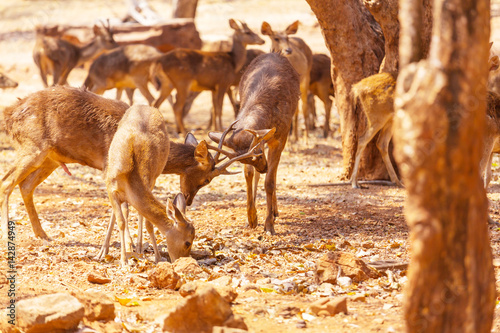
<point x="180" y="202"/>
<point x="233" y="24"/>
<point x="215" y="136"/>
<point x="494" y="63"/>
<point x="292" y="28"/>
<point x="265" y="29"/>
<point x="171" y="210"/>
<point x="190" y="140"/>
<point x="96" y="30"/>
<point x="201" y="153"/>
<point x="491" y="44"/>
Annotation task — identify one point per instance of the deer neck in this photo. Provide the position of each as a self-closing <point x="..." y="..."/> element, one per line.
<point x="238" y="53"/>
<point x="88" y="51"/>
<point x="180" y="157"/>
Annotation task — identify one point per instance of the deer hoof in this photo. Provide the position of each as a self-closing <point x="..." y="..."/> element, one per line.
<point x="270" y="229"/>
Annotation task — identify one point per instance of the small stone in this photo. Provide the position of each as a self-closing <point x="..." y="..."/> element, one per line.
<point x="331" y="306"/>
<point x="95" y="278"/>
<point x="200" y="254"/>
<point x="344" y="281"/>
<point x="328" y="266"/>
<point x="189" y="268"/>
<point x="378" y="321"/>
<point x="367" y="245"/>
<point x="163" y="276"/>
<point x="49" y="313"/>
<point x="301" y="324"/>
<point x="358" y="298"/>
<point x="98" y="306"/>
<point x="227" y="292"/>
<point x="223" y="281"/>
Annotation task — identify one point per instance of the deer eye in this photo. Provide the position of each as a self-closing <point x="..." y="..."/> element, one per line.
<point x="206" y="182"/>
<point x="188" y="244"/>
<point x="277" y="39"/>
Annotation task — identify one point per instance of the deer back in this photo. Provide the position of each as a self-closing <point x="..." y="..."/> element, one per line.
<point x="70" y="124"/>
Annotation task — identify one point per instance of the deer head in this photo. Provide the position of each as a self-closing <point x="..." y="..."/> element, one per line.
<point x="279" y="39"/>
<point x="180" y="237"/>
<point x="244" y="34"/>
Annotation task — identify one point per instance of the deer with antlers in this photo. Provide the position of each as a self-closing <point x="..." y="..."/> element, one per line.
<point x="300" y="56"/>
<point x="47" y="129"/>
<point x="57" y="57"/>
<point x="269" y="92"/>
<point x="185" y="70"/>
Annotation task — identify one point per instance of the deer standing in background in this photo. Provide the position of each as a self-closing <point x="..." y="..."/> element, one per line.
<point x="136" y="157"/>
<point x="269" y="92"/>
<point x="301" y="58"/>
<point x="126" y="67"/>
<point x="321" y="85"/>
<point x="47" y="129"/>
<point x="185" y="70"/>
<point x="57" y="57"/>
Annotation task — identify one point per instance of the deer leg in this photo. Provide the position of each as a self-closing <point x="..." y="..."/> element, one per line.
<point x="217" y="101"/>
<point x="139" y="248"/>
<point x="130" y="243"/>
<point x="151" y="232"/>
<point x="142" y="84"/>
<point x="116" y="204"/>
<point x="383" y="146"/>
<point x="295" y="126"/>
<point x="105" y="246"/>
<point x="27" y="187"/>
<point x="43" y="74"/>
<point x="311" y="107"/>
<point x="165" y="91"/>
<point x="327" y="102"/>
<point x="273" y="160"/>
<point x="130" y="96"/>
<point x="251" y="210"/>
<point x="362" y="142"/>
<point x="189" y="102"/>
<point x="178" y="110"/>
<point x="23" y="166"/>
<point x="303" y="97"/>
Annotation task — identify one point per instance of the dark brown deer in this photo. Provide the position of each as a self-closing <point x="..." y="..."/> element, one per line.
<point x="321" y="85"/>
<point x="126" y="67"/>
<point x="185" y="70"/>
<point x="269" y="91"/>
<point x="300" y="56"/>
<point x="137" y="155"/>
<point x="47" y="129"/>
<point x="57" y="57"/>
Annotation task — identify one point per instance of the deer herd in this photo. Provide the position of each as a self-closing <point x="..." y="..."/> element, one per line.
<point x="130" y="143"/>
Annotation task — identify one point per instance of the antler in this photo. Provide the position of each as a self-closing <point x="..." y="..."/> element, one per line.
<point x="251" y="153"/>
<point x="221" y="142"/>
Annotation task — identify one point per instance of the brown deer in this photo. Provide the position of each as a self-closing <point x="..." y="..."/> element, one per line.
<point x="7" y="82"/>
<point x="269" y="91"/>
<point x="185" y="70"/>
<point x="321" y="85"/>
<point x="301" y="58"/>
<point x="47" y="129"/>
<point x="57" y="57"/>
<point x="126" y="67"/>
<point x="137" y="155"/>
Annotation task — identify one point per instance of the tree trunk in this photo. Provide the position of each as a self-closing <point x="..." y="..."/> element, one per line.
<point x="184" y="8"/>
<point x="356" y="47"/>
<point x="440" y="106"/>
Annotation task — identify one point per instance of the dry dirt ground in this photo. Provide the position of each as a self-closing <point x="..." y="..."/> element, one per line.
<point x="313" y="220"/>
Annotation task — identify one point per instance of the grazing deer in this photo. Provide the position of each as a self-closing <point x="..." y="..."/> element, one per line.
<point x="269" y="91"/>
<point x="7" y="82"/>
<point x="126" y="67"/>
<point x="58" y="57"/>
<point x="321" y="85"/>
<point x="185" y="70"/>
<point x="47" y="129"/>
<point x="137" y="155"/>
<point x="301" y="58"/>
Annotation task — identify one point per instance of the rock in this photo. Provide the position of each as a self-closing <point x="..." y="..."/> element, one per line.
<point x="98" y="306"/>
<point x="201" y="254"/>
<point x="301" y="324"/>
<point x="163" y="276"/>
<point x="49" y="313"/>
<point x="358" y="298"/>
<point x="227" y="292"/>
<point x="200" y="313"/>
<point x="327" y="268"/>
<point x="220" y="329"/>
<point x="367" y="245"/>
<point x="223" y="281"/>
<point x="329" y="307"/>
<point x="94" y="278"/>
<point x="189" y="268"/>
<point x="344" y="281"/>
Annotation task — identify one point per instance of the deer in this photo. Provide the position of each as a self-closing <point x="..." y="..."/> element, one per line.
<point x="57" y="57"/>
<point x="47" y="129"/>
<point x="269" y="90"/>
<point x="300" y="56"/>
<point x="126" y="67"/>
<point x="186" y="69"/>
<point x="321" y="85"/>
<point x="136" y="157"/>
<point x="7" y="82"/>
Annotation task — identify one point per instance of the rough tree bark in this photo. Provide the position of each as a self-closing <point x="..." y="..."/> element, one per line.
<point x="356" y="47"/>
<point x="184" y="8"/>
<point x="440" y="106"/>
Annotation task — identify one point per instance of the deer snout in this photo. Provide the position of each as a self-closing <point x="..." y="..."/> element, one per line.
<point x="288" y="51"/>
